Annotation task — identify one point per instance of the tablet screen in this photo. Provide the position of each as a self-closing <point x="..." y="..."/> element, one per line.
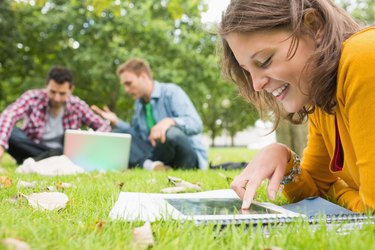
<point x="216" y="206"/>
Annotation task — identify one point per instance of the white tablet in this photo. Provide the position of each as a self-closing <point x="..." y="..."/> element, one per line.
<point x="218" y="205"/>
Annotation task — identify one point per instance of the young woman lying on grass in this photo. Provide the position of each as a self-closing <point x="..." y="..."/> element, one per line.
<point x="306" y="59"/>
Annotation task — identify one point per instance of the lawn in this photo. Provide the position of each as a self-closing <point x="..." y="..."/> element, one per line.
<point x="85" y="224"/>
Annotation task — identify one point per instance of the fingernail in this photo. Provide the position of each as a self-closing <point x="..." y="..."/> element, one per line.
<point x="245" y="205"/>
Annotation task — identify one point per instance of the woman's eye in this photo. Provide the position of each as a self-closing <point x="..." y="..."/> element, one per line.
<point x="266" y="62"/>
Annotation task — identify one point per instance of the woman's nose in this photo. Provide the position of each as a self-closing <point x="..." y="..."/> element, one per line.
<point x="259" y="82"/>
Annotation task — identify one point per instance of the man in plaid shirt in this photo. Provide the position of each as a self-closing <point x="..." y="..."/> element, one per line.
<point x="47" y="113"/>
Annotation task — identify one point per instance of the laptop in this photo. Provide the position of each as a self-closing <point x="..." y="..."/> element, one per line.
<point x="92" y="150"/>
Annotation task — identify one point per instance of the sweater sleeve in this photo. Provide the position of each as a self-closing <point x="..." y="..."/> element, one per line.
<point x="357" y="74"/>
<point x="315" y="178"/>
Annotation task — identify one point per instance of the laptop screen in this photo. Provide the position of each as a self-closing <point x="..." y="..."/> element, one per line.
<point x="101" y="151"/>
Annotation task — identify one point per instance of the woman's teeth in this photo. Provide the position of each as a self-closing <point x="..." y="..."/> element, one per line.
<point x="280" y="90"/>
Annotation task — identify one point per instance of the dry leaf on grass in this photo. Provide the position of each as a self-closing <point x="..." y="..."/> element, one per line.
<point x="143" y="237"/>
<point x="5" y="181"/>
<point x="181" y="186"/>
<point x="272" y="248"/>
<point x="25" y="184"/>
<point x="63" y="185"/>
<point x="46" y="200"/>
<point x="15" y="244"/>
<point x="99" y="225"/>
<point x="120" y="185"/>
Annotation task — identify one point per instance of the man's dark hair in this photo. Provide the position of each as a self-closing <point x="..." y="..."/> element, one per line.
<point x="60" y="75"/>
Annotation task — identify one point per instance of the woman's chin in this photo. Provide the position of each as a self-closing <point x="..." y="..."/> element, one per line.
<point x="292" y="108"/>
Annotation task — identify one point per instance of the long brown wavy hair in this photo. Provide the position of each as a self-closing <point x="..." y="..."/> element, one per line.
<point x="248" y="16"/>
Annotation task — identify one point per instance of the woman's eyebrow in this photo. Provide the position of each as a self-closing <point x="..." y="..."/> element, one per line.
<point x="256" y="53"/>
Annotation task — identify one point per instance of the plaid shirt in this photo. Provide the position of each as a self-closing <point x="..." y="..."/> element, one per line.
<point x="32" y="106"/>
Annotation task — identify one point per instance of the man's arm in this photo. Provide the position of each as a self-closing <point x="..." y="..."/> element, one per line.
<point x="13" y="113"/>
<point x="2" y="151"/>
<point x="184" y="113"/>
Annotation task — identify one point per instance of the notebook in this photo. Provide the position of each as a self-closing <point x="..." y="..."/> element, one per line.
<point x="92" y="150"/>
<point x="223" y="207"/>
<point x="216" y="205"/>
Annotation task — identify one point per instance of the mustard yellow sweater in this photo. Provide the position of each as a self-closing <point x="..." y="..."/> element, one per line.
<point x="354" y="186"/>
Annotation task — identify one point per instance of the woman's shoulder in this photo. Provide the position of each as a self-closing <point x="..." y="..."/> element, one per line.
<point x="361" y="40"/>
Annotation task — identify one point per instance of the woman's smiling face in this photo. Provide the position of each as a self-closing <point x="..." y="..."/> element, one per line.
<point x="265" y="56"/>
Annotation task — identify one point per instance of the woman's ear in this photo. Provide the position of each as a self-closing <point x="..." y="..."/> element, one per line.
<point x="313" y="21"/>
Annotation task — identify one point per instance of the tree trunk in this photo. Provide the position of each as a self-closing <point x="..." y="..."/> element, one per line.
<point x="232" y="140"/>
<point x="294" y="136"/>
<point x="213" y="136"/>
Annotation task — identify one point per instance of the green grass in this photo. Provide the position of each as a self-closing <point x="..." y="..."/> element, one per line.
<point x="94" y="194"/>
<point x="220" y="155"/>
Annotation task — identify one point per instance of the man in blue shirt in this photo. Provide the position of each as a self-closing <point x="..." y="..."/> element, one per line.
<point x="166" y="128"/>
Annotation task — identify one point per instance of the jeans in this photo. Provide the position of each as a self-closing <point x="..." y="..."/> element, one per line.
<point x="176" y="152"/>
<point x="22" y="147"/>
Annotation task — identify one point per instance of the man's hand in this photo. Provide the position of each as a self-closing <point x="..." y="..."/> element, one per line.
<point x="158" y="132"/>
<point x="106" y="113"/>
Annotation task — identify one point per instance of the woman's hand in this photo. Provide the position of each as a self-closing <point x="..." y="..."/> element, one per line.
<point x="269" y="163"/>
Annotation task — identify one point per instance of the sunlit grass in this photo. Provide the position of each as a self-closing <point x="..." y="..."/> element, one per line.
<point x="85" y="222"/>
<point x="221" y="154"/>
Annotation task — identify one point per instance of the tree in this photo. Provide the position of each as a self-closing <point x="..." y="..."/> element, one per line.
<point x="92" y="37"/>
<point x="361" y="10"/>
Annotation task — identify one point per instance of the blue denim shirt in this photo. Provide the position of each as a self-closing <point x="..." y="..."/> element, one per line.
<point x="169" y="100"/>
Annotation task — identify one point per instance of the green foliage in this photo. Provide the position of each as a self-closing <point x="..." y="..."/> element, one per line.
<point x="361" y="10"/>
<point x="225" y="154"/>
<point x="93" y="37"/>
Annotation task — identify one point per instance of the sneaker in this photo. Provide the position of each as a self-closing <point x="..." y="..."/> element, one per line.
<point x="155" y="165"/>
<point x="159" y="166"/>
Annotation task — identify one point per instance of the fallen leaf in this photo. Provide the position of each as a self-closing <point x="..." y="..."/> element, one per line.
<point x="272" y="248"/>
<point x="100" y="225"/>
<point x="63" y="185"/>
<point x="121" y="185"/>
<point x="182" y="183"/>
<point x="5" y="181"/>
<point x="15" y="244"/>
<point x="47" y="200"/>
<point x="143" y="237"/>
<point x="25" y="184"/>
